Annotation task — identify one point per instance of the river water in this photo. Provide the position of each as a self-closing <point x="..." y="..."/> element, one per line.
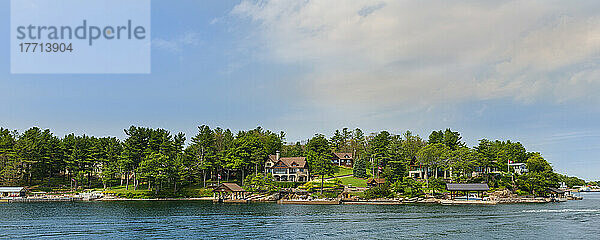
<point x="205" y="220"/>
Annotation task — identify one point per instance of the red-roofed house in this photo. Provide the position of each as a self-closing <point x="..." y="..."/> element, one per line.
<point x="288" y="169"/>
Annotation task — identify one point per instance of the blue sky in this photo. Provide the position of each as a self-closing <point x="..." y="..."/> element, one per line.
<point x="520" y="70"/>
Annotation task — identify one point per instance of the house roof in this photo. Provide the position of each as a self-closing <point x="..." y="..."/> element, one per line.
<point x="11" y="189"/>
<point x="467" y="187"/>
<point x="343" y="155"/>
<point x="297" y="162"/>
<point x="229" y="187"/>
<point x="376" y="180"/>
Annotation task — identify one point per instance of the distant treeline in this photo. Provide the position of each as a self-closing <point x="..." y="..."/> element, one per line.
<point x="160" y="160"/>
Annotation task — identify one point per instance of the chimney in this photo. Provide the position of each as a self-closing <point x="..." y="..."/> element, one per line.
<point x="277" y="154"/>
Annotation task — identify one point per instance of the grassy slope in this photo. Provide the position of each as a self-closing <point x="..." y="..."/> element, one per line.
<point x="355" y="182"/>
<point x="341" y="171"/>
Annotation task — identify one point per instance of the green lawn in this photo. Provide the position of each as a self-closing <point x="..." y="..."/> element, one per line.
<point x="341" y="171"/>
<point x="355" y="182"/>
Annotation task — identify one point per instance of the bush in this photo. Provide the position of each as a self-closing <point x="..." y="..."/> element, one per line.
<point x="287" y="184"/>
<point x="194" y="192"/>
<point x="379" y="192"/>
<point x="260" y="183"/>
<point x="409" y="187"/>
<point x="135" y="195"/>
<point x="437" y="185"/>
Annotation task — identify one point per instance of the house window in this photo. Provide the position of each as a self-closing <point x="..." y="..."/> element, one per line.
<point x="293" y="170"/>
<point x="279" y="171"/>
<point x="301" y="169"/>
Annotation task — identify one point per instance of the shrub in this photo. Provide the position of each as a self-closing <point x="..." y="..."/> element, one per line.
<point x="260" y="183"/>
<point x="409" y="187"/>
<point x="379" y="192"/>
<point x="287" y="184"/>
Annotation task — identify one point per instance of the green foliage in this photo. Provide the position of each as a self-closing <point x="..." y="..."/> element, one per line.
<point x="539" y="178"/>
<point x="537" y="164"/>
<point x="313" y="186"/>
<point x="388" y="156"/>
<point x="434" y="156"/>
<point x="360" y="168"/>
<point x="294" y="150"/>
<point x="160" y="161"/>
<point x="463" y="160"/>
<point x="195" y="192"/>
<point x="287" y="184"/>
<point x="437" y="185"/>
<point x="571" y="181"/>
<point x="497" y="154"/>
<point x="260" y="183"/>
<point x="380" y="191"/>
<point x="537" y="183"/>
<point x="319" y="157"/>
<point x="449" y="138"/>
<point x="409" y="187"/>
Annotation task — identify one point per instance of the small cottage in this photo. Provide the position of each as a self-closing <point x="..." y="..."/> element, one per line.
<point x="12" y="192"/>
<point x="374" y="182"/>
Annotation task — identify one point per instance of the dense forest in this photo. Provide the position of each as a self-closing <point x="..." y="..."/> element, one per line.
<point x="162" y="161"/>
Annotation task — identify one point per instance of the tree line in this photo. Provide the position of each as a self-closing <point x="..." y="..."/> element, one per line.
<point x="161" y="161"/>
<point x="156" y="157"/>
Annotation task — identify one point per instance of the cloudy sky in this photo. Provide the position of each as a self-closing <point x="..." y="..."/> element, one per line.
<point x="522" y="70"/>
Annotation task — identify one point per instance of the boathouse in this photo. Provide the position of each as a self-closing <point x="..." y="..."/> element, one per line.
<point x="556" y="193"/>
<point x="374" y="182"/>
<point x="12" y="192"/>
<point x="229" y="191"/>
<point x="466" y="188"/>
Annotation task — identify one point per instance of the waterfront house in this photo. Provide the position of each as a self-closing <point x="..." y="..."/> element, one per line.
<point x="519" y="168"/>
<point x="418" y="171"/>
<point x="13" y="192"/>
<point x="342" y="159"/>
<point x="287" y="169"/>
<point x="374" y="182"/>
<point x="415" y="170"/>
<point x="466" y="188"/>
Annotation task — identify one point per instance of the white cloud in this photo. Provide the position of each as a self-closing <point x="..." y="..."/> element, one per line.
<point x="398" y="53"/>
<point x="177" y="44"/>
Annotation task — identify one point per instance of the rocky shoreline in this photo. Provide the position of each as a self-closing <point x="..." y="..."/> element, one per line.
<point x="497" y="197"/>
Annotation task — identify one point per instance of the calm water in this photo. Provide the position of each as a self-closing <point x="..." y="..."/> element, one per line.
<point x="116" y="220"/>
